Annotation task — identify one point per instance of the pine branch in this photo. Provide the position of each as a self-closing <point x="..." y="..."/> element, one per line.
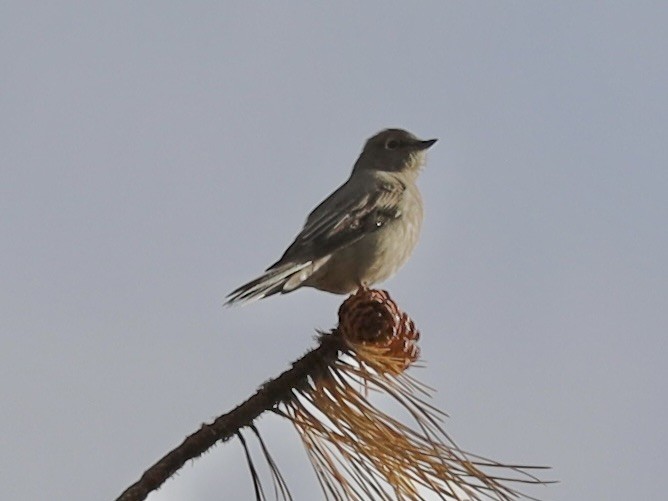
<point x="357" y="451"/>
<point x="267" y="397"/>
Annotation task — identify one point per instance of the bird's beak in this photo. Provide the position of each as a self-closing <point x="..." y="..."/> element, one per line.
<point x="423" y="145"/>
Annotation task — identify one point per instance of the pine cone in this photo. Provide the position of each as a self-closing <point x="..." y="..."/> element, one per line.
<point x="372" y="319"/>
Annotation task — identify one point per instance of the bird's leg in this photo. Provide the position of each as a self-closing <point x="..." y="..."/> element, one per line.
<point x="361" y="287"/>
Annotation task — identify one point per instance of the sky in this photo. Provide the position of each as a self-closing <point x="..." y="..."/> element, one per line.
<point x="156" y="155"/>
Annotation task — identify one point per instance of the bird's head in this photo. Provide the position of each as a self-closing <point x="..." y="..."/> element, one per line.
<point x="393" y="150"/>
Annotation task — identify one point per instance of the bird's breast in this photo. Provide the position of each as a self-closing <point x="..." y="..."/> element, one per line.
<point x="377" y="255"/>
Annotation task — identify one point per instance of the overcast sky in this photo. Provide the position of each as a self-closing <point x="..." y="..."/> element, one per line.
<point x="155" y="155"/>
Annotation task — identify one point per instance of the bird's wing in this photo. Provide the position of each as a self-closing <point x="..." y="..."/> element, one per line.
<point x="348" y="214"/>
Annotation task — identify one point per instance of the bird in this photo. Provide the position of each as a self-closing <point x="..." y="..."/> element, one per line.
<point x="362" y="233"/>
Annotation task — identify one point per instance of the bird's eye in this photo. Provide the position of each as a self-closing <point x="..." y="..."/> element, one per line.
<point x="391" y="144"/>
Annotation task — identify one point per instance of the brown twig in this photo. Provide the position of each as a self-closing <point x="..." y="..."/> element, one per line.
<point x="357" y="450"/>
<point x="226" y="426"/>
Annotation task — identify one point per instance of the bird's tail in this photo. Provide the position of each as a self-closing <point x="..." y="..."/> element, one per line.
<point x="272" y="281"/>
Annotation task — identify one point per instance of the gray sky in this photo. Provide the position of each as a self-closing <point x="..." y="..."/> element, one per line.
<point x="156" y="155"/>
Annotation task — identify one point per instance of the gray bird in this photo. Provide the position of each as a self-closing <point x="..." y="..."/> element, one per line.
<point x="362" y="233"/>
